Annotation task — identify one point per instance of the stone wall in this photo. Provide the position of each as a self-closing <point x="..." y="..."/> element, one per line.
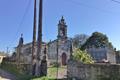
<point x="99" y="54"/>
<point x="81" y="71"/>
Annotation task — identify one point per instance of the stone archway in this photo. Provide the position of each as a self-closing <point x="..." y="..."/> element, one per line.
<point x="64" y="58"/>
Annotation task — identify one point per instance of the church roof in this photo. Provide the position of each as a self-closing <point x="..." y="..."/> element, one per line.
<point x="30" y="43"/>
<point x="68" y="39"/>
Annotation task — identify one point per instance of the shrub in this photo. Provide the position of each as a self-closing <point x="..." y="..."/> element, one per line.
<point x="82" y="56"/>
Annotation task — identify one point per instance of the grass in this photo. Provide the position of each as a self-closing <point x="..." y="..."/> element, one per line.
<point x="52" y="71"/>
<point x="43" y="78"/>
<point x="13" y="70"/>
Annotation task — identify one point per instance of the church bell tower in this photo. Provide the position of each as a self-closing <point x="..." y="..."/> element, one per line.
<point x="62" y="29"/>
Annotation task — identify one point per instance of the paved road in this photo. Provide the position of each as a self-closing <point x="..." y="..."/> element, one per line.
<point x="6" y="75"/>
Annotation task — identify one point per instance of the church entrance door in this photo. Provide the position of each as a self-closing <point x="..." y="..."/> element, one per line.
<point x="64" y="58"/>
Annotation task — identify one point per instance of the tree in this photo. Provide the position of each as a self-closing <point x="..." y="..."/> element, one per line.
<point x="97" y="40"/>
<point x="79" y="40"/>
<point x="82" y="56"/>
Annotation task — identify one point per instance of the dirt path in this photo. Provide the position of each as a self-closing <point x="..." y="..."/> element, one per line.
<point x="6" y="75"/>
<point x="62" y="73"/>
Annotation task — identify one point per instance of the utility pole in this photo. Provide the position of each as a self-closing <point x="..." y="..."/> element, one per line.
<point x="39" y="40"/>
<point x="34" y="42"/>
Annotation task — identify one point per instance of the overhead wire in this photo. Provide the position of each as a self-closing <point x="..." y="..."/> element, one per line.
<point x="21" y="22"/>
<point x="72" y="1"/>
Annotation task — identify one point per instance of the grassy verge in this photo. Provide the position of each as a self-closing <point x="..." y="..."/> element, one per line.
<point x="13" y="70"/>
<point x="52" y="72"/>
<point x="43" y="78"/>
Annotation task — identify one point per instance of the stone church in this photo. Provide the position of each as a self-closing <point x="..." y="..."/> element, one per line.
<point x="59" y="49"/>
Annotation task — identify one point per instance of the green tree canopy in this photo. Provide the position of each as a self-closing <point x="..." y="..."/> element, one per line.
<point x="82" y="56"/>
<point x="97" y="40"/>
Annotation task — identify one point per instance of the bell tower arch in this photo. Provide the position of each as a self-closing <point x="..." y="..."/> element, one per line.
<point x="62" y="29"/>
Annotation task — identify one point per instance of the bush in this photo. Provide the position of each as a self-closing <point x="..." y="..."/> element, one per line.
<point x="82" y="56"/>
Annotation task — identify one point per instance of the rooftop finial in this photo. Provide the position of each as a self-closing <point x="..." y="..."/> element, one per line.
<point x="21" y="40"/>
<point x="62" y="19"/>
<point x="21" y="34"/>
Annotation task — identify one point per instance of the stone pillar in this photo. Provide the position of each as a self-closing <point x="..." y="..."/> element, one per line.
<point x="39" y="40"/>
<point x="34" y="57"/>
<point x="44" y="64"/>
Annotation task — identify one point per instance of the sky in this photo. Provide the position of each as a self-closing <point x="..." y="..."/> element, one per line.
<point x="81" y="16"/>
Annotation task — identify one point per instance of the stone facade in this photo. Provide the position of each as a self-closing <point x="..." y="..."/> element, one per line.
<point x="102" y="54"/>
<point x="80" y="71"/>
<point x="63" y="51"/>
<point x="26" y="52"/>
<point x="24" y="57"/>
<point x="61" y="46"/>
<point x="60" y="49"/>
